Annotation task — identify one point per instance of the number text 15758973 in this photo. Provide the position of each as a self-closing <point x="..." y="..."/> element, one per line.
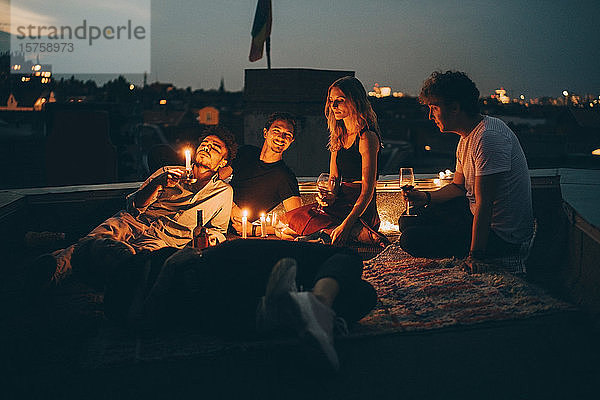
<point x="43" y="47"/>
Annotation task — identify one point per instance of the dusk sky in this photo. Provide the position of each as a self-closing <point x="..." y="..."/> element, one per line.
<point x="535" y="48"/>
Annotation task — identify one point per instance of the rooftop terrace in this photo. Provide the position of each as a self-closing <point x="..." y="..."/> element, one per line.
<point x="537" y="358"/>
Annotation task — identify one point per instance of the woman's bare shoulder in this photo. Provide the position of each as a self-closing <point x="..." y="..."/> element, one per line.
<point x="369" y="138"/>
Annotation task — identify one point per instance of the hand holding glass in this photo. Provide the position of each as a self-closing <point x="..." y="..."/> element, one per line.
<point x="407" y="183"/>
<point x="328" y="187"/>
<point x="188" y="177"/>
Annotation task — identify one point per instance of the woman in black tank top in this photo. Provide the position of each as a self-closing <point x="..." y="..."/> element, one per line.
<point x="354" y="143"/>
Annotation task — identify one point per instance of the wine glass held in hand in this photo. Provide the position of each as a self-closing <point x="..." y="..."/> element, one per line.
<point x="407" y="183"/>
<point x="328" y="187"/>
<point x="188" y="177"/>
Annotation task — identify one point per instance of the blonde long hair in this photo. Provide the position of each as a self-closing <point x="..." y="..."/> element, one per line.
<point x="360" y="111"/>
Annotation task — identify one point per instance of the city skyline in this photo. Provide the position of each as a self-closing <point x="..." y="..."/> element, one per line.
<point x="532" y="48"/>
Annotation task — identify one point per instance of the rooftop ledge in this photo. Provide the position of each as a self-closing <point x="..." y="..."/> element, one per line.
<point x="580" y="191"/>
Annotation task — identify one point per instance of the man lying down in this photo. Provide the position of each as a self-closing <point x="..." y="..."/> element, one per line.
<point x="246" y="288"/>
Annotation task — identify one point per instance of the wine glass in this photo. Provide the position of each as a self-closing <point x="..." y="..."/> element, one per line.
<point x="407" y="183"/>
<point x="188" y="177"/>
<point x="327" y="186"/>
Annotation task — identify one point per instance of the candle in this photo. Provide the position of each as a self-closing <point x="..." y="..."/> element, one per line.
<point x="263" y="225"/>
<point x="274" y="219"/>
<point x="448" y="173"/>
<point x="437" y="182"/>
<point x="188" y="159"/>
<point x="244" y="224"/>
<point x="442" y="175"/>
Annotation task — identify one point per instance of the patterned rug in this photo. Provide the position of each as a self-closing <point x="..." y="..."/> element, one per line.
<point x="414" y="295"/>
<point x="420" y="294"/>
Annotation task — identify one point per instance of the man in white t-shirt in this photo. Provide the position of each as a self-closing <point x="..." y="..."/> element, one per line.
<point x="491" y="173"/>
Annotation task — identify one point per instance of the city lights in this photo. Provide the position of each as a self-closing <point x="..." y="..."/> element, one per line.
<point x="381" y="91"/>
<point x="501" y="96"/>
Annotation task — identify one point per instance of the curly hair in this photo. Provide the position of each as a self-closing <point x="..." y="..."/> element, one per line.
<point x="451" y="86"/>
<point x="282" y="116"/>
<point x="360" y="111"/>
<point x="226" y="136"/>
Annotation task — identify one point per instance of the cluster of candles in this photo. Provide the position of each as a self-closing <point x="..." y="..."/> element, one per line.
<point x="265" y="220"/>
<point x="447" y="174"/>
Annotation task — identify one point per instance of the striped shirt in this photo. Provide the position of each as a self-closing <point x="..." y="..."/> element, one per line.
<point x="171" y="215"/>
<point x="492" y="148"/>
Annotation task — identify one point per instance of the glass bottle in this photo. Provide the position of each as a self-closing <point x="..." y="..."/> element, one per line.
<point x="200" y="240"/>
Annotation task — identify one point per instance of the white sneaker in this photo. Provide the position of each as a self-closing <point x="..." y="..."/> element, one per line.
<point x="317" y="326"/>
<point x="271" y="311"/>
<point x="285" y="309"/>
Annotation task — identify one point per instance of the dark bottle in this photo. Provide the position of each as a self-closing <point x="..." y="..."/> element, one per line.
<point x="200" y="240"/>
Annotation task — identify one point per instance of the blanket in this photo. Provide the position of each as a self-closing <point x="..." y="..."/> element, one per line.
<point x="414" y="295"/>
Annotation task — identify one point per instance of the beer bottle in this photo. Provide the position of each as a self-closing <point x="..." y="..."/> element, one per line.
<point x="200" y="240"/>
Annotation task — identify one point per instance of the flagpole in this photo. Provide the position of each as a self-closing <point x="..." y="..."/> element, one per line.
<point x="268" y="49"/>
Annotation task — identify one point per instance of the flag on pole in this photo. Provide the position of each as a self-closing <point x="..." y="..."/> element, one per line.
<point x="261" y="29"/>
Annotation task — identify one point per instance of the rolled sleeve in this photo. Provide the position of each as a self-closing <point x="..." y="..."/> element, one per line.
<point x="130" y="206"/>
<point x="219" y="222"/>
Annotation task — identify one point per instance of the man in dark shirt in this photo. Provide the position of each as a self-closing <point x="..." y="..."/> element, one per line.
<point x="261" y="180"/>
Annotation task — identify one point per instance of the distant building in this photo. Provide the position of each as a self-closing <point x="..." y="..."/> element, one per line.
<point x="382" y="91"/>
<point x="30" y="69"/>
<point x="208" y="116"/>
<point x="27" y="100"/>
<point x="501" y="96"/>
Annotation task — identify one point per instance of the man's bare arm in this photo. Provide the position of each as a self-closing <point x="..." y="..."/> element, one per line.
<point x="485" y="193"/>
<point x="448" y="192"/>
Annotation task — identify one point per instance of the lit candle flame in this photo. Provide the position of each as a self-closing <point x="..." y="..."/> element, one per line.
<point x="442" y="175"/>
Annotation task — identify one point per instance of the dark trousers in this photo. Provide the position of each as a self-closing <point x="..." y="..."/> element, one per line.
<point x="220" y="289"/>
<point x="444" y="230"/>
